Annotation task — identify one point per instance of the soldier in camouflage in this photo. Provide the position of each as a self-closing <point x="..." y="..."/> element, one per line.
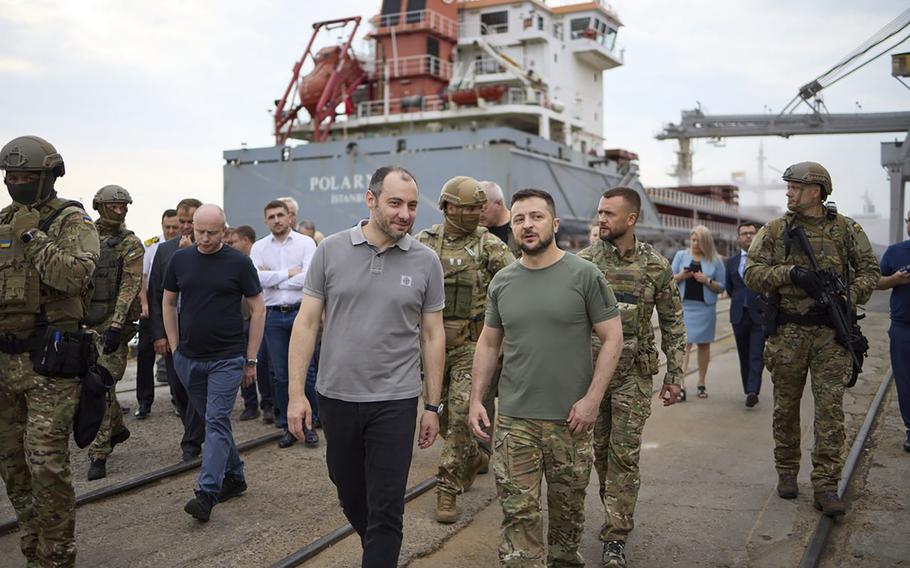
<point x="470" y="257"/>
<point x="113" y="311"/>
<point x="804" y="338"/>
<point x="642" y="280"/>
<point x="48" y="251"/>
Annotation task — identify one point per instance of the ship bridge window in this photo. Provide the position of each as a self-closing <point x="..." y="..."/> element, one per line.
<point x="578" y="26"/>
<point x="389" y="13"/>
<point x="415" y="11"/>
<point x="494" y="23"/>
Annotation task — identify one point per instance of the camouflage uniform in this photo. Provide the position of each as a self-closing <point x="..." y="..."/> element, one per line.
<point x="839" y="243"/>
<point x="120" y="305"/>
<point x="52" y="272"/>
<point x="469" y="262"/>
<point x="641" y="280"/>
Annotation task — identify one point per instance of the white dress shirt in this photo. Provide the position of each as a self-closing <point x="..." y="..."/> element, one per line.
<point x="272" y="260"/>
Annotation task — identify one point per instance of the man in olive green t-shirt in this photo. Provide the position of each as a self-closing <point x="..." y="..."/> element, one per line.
<point x="541" y="311"/>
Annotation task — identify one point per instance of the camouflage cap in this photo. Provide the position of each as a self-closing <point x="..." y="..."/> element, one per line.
<point x="809" y="172"/>
<point x="460" y="191"/>
<point x="31" y="154"/>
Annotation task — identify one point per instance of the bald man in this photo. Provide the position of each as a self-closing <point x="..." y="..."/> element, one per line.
<point x="212" y="354"/>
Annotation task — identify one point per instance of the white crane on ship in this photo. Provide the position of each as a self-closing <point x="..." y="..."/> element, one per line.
<point x="895" y="155"/>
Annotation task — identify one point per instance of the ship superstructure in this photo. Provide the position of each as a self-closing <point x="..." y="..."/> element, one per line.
<point x="504" y="90"/>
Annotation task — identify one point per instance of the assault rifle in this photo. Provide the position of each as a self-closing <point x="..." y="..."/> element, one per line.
<point x="840" y="314"/>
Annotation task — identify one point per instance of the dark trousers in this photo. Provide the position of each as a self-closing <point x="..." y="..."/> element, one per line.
<point x="750" y="344"/>
<point x="278" y="326"/>
<point x="145" y="366"/>
<point x="263" y="380"/>
<point x="368" y="454"/>
<point x="193" y="422"/>
<point x="899" y="334"/>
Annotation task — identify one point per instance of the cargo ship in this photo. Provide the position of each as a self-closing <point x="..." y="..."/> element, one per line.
<point x="509" y="91"/>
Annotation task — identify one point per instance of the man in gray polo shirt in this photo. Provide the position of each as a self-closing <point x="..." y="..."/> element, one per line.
<point x="383" y="296"/>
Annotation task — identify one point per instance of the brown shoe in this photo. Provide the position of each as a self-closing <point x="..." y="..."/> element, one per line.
<point x="445" y="508"/>
<point x="787" y="487"/>
<point x="481" y="461"/>
<point x="829" y="504"/>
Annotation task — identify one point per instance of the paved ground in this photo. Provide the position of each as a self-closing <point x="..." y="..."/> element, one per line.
<point x="707" y="496"/>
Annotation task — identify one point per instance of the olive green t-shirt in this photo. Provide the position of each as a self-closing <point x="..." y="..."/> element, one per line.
<point x="546" y="316"/>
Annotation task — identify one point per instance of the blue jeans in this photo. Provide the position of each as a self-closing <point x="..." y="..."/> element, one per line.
<point x="278" y="327"/>
<point x="263" y="379"/>
<point x="212" y="387"/>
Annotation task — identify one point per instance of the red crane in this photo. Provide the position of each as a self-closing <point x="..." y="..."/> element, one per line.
<point x="336" y="74"/>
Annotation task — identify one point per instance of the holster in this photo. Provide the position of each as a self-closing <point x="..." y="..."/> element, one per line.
<point x="65" y="354"/>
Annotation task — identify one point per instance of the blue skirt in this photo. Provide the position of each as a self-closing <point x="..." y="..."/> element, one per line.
<point x="700" y="319"/>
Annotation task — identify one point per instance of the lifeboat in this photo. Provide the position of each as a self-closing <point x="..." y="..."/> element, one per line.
<point x="312" y="85"/>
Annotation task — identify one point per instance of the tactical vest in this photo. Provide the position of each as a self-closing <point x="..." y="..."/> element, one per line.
<point x="21" y="289"/>
<point x="106" y="278"/>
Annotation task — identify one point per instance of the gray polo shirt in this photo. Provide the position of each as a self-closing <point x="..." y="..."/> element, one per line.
<point x="373" y="304"/>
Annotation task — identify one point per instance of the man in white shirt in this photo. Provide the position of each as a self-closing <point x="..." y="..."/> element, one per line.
<point x="282" y="259"/>
<point x="145" y="353"/>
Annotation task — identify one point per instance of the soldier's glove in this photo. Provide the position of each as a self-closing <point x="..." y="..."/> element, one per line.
<point x="808" y="280"/>
<point x="111" y="340"/>
<point x="25" y="219"/>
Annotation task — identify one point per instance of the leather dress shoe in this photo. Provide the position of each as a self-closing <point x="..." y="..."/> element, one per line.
<point x="142" y="412"/>
<point x="287" y="440"/>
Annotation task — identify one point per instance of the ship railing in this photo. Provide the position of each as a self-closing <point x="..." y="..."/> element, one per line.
<point x="417" y="20"/>
<point x="488" y="66"/>
<point x="477" y="28"/>
<point x="417" y="103"/>
<point x="412" y="65"/>
<point x="675" y="196"/>
<point x="687" y="223"/>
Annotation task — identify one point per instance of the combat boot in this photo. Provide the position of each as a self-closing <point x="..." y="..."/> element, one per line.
<point x="481" y="461"/>
<point x="787" y="488"/>
<point x="445" y="508"/>
<point x="614" y="554"/>
<point x="829" y="503"/>
<point x="97" y="470"/>
<point x="200" y="506"/>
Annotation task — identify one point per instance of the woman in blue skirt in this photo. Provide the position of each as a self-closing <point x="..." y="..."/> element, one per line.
<point x="699" y="273"/>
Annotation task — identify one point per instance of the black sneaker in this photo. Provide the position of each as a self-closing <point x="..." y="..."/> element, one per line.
<point x="310" y="438"/>
<point x="614" y="554"/>
<point x="268" y="415"/>
<point x="751" y="399"/>
<point x="249" y="413"/>
<point x="200" y="506"/>
<point x="189" y="455"/>
<point x="97" y="470"/>
<point x="231" y="487"/>
<point x="287" y="440"/>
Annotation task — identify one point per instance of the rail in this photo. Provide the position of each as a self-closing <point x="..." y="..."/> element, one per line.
<point x="411" y="65"/>
<point x="687" y="223"/>
<point x="677" y="197"/>
<point x="416" y="20"/>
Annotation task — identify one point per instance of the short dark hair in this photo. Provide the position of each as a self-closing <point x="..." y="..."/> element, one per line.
<point x="189" y="203"/>
<point x="380" y="174"/>
<point x="277" y="204"/>
<point x="530" y="192"/>
<point x="246" y="232"/>
<point x="168" y="213"/>
<point x="628" y="194"/>
<point x="307" y="224"/>
<point x="752" y="224"/>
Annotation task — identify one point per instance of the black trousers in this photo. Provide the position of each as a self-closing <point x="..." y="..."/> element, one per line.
<point x="750" y="344"/>
<point x="368" y="454"/>
<point x="145" y="366"/>
<point x="193" y="422"/>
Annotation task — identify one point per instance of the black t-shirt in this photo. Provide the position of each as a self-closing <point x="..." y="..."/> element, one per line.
<point x="211" y="287"/>
<point x="695" y="290"/>
<point x="502" y="232"/>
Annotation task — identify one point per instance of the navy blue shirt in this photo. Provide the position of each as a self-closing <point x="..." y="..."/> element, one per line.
<point x="211" y="288"/>
<point x="898" y="256"/>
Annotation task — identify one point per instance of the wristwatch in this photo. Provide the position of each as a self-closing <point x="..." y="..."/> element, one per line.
<point x="27" y="236"/>
<point x="434" y="409"/>
<point x="251" y="362"/>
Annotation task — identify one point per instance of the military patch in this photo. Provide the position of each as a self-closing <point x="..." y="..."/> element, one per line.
<point x="88" y="220"/>
<point x="6" y="243"/>
<point x="151" y="241"/>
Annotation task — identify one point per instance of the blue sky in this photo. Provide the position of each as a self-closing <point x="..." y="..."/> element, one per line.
<point x="147" y="95"/>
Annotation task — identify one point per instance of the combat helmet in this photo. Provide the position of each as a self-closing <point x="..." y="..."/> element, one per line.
<point x="32" y="154"/>
<point x="461" y="191"/>
<point x="111" y="194"/>
<point x="809" y="172"/>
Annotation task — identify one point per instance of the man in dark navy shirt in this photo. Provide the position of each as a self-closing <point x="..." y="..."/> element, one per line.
<point x="895" y="267"/>
<point x="212" y="354"/>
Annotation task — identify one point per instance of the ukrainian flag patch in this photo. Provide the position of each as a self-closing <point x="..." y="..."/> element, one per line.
<point x="6" y="243"/>
<point x="88" y="220"/>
